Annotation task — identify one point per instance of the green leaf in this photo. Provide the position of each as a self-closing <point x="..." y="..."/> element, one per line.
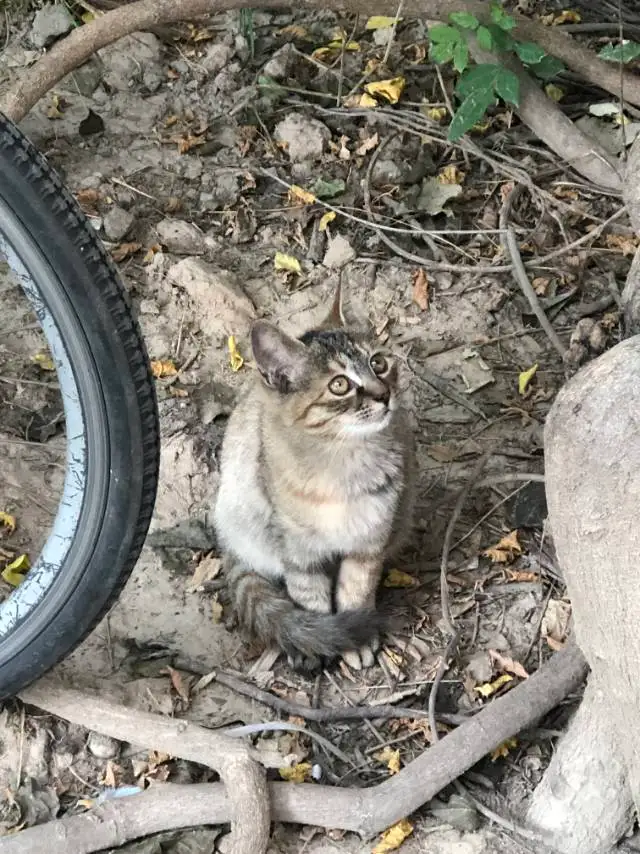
<point x="470" y="111"/>
<point x="328" y="189"/>
<point x="624" y="52"/>
<point x="442" y="52"/>
<point x="529" y="52"/>
<point x="461" y="57"/>
<point x="443" y="34"/>
<point x="507" y="86"/>
<point x="547" y="68"/>
<point x="485" y="39"/>
<point x="501" y="19"/>
<point x="479" y="78"/>
<point x="465" y="20"/>
<point x="501" y="40"/>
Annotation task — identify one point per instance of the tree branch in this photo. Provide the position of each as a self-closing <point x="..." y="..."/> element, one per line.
<point x="365" y="811"/>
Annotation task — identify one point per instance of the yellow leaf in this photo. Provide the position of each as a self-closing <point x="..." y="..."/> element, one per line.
<point x="436" y="114"/>
<point x="44" y="361"/>
<point x="124" y="250"/>
<point x="554" y="92"/>
<point x="398" y="578"/>
<point x="150" y="253"/>
<point x="294" y="30"/>
<point x="367" y="101"/>
<point x="502" y="750"/>
<point x="393" y="838"/>
<point x="450" y="175"/>
<point x="568" y="16"/>
<point x="323" y="53"/>
<point x="504" y="551"/>
<point x="87" y="17"/>
<point x="525" y="378"/>
<point x="326" y="219"/>
<point x="287" y="263"/>
<point x="380" y="22"/>
<point x="163" y="368"/>
<point x="390" y="758"/>
<point x="297" y="773"/>
<point x="15" y="572"/>
<point x="54" y="109"/>
<point x="627" y="245"/>
<point x="216" y="611"/>
<point x="298" y="196"/>
<point x="8" y="521"/>
<point x="390" y="90"/>
<point x="490" y="688"/>
<point x="235" y="359"/>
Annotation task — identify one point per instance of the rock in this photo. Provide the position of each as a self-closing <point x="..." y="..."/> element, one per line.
<point x="480" y="667"/>
<point x="179" y="236"/>
<point x="458" y="812"/>
<point x="339" y="252"/>
<point x="133" y="59"/>
<point x="117" y="223"/>
<point x="85" y="79"/>
<point x="280" y="64"/>
<point x="305" y="138"/>
<point x="529" y="507"/>
<point x="50" y="22"/>
<point x="102" y="746"/>
<point x="216" y="57"/>
<point x="217" y="296"/>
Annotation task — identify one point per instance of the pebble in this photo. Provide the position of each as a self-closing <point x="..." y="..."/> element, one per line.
<point x="216" y="57"/>
<point x="305" y="138"/>
<point x="50" y="22"/>
<point x="102" y="746"/>
<point x="181" y="237"/>
<point x="135" y="58"/>
<point x="117" y="223"/>
<point x="339" y="252"/>
<point x="280" y="64"/>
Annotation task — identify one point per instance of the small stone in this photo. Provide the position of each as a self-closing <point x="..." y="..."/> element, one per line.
<point x="84" y="79"/>
<point x="132" y="59"/>
<point x="529" y="507"/>
<point x="102" y="746"/>
<point x="480" y="668"/>
<point x="181" y="237"/>
<point x="280" y="64"/>
<point x="305" y="138"/>
<point x="50" y="22"/>
<point x="117" y="223"/>
<point x="216" y="57"/>
<point x="339" y="252"/>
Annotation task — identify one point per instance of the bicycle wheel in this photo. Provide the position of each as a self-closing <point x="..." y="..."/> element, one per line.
<point x="49" y="250"/>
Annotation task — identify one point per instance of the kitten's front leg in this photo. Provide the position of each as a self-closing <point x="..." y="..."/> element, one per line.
<point x="310" y="590"/>
<point x="358" y="581"/>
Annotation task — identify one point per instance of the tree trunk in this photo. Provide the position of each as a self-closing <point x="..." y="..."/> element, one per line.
<point x="591" y="790"/>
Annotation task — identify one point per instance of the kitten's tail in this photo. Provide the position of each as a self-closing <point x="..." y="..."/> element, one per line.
<point x="268" y="614"/>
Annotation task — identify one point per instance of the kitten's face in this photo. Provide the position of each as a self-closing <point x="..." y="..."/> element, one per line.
<point x="330" y="382"/>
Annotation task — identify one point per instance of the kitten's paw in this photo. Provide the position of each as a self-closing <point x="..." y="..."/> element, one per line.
<point x="307" y="664"/>
<point x="359" y="659"/>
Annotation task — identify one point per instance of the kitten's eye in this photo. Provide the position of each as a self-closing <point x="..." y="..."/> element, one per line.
<point x="339" y="386"/>
<point x="378" y="364"/>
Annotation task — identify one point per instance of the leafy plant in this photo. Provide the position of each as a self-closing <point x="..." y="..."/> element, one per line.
<point x="481" y="85"/>
<point x="624" y="52"/>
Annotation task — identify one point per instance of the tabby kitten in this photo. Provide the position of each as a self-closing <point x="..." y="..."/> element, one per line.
<point x="316" y="472"/>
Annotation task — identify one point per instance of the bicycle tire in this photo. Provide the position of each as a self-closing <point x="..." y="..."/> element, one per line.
<point x="78" y="296"/>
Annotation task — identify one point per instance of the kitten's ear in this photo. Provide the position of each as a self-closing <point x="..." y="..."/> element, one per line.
<point x="281" y="360"/>
<point x="335" y="319"/>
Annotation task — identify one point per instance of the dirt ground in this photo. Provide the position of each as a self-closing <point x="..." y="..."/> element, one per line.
<point x="182" y="147"/>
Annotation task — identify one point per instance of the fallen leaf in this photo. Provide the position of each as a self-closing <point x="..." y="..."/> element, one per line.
<point x="525" y="377"/>
<point x="161" y="368"/>
<point x="8" y="521"/>
<point x="170" y="121"/>
<point x="188" y="141"/>
<point x="54" y="110"/>
<point x="88" y="199"/>
<point x="390" y="90"/>
<point x="554" y="92"/>
<point x="505" y="550"/>
<point x="436" y="114"/>
<point x="451" y="175"/>
<point x="172" y="204"/>
<point x="398" y="578"/>
<point x="325" y="219"/>
<point x="44" y="361"/>
<point x="390" y="758"/>
<point x="235" y="358"/>
<point x="178" y="683"/>
<point x="296" y="773"/>
<point x="490" y="688"/>
<point x="87" y="17"/>
<point x="175" y="391"/>
<point x="434" y="196"/>
<point x="503" y="750"/>
<point x="328" y="189"/>
<point x="287" y="263"/>
<point x="368" y="144"/>
<point x="123" y="250"/>
<point x="298" y="196"/>
<point x="420" y="293"/>
<point x="109" y="776"/>
<point x="364" y="100"/>
<point x="380" y="22"/>
<point x="150" y="253"/>
<point x="393" y="838"/>
<point x="335" y="46"/>
<point x="216" y="611"/>
<point x="626" y="244"/>
<point x="540" y="285"/>
<point x="568" y="16"/>
<point x="207" y="569"/>
<point x="294" y="30"/>
<point x="521" y="575"/>
<point x="508" y="665"/>
<point x="15" y="572"/>
<point x="555" y="623"/>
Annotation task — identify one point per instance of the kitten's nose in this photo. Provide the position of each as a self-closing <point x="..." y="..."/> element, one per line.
<point x="381" y="394"/>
